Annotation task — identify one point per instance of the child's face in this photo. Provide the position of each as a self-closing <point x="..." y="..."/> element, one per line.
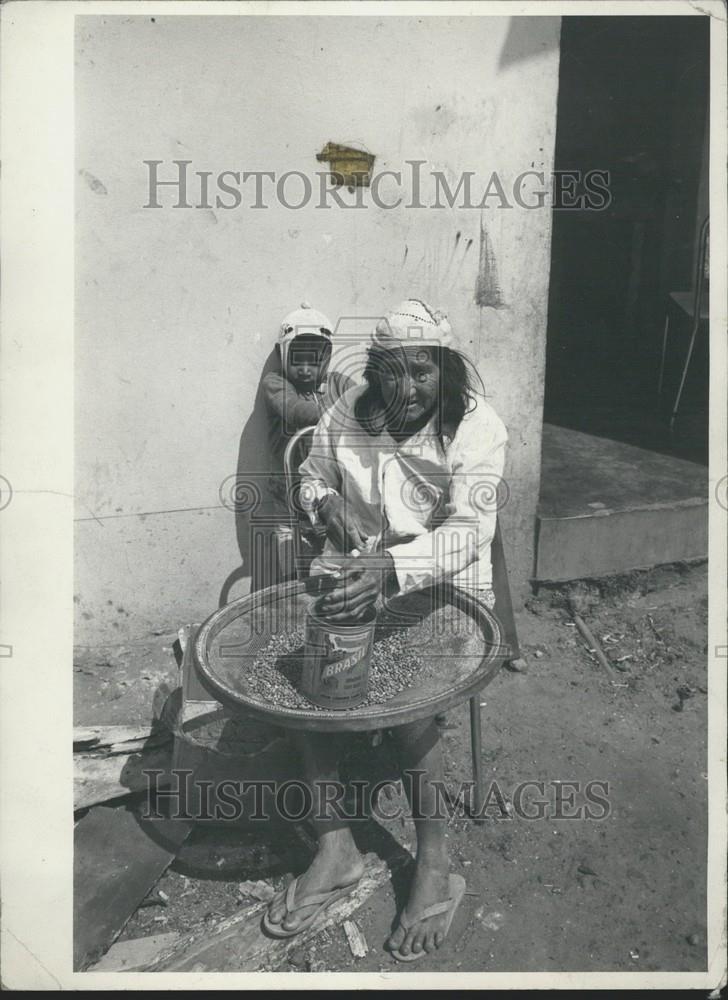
<point x="410" y="384"/>
<point x="307" y="359"/>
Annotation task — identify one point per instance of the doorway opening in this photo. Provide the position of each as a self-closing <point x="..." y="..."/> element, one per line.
<point x="633" y="100"/>
<point x="622" y="485"/>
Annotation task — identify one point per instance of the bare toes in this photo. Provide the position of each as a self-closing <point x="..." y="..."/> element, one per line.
<point x="418" y="943"/>
<point x="409" y="944"/>
<point x="276" y="911"/>
<point x="406" y="946"/>
<point x="432" y="940"/>
<point x="396" y="938"/>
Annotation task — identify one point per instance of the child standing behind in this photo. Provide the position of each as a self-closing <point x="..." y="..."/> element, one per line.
<point x="296" y="397"/>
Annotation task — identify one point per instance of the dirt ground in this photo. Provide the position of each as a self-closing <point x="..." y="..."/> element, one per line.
<point x="626" y="891"/>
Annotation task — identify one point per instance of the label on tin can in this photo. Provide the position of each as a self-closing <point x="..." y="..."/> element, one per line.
<point x="336" y="663"/>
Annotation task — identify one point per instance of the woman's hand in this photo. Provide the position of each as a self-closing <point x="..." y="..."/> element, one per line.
<point x="342" y="528"/>
<point x="362" y="580"/>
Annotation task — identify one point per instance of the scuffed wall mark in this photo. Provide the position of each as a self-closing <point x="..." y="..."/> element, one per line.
<point x="92" y="518"/>
<point x="487" y="286"/>
<point x="457" y="257"/>
<point x="419" y="265"/>
<point x="93" y="182"/>
<point x="433" y="122"/>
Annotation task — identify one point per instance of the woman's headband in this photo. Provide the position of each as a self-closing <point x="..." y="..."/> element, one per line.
<point x="412" y="322"/>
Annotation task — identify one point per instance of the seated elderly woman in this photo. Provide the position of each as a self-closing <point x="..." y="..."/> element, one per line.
<point x="416" y="426"/>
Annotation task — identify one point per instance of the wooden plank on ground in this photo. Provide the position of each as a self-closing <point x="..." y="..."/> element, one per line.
<point x="117" y="859"/>
<point x="98" y="778"/>
<point x="118" y="739"/>
<point x="134" y="954"/>
<point x="238" y="944"/>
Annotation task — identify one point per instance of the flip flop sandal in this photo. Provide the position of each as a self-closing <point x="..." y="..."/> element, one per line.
<point x="457" y="891"/>
<point x="320" y="900"/>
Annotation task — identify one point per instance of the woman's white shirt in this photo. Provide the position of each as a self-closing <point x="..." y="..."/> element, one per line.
<point x="397" y="490"/>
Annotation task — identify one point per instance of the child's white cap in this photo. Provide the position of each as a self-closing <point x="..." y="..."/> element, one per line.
<point x="413" y="322"/>
<point x="303" y="320"/>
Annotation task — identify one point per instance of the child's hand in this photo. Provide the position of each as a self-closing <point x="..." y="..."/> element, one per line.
<point x="342" y="529"/>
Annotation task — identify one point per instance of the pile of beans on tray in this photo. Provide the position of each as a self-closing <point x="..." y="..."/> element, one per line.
<point x="275" y="674"/>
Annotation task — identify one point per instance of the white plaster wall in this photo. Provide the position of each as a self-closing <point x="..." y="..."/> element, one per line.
<point x="177" y="309"/>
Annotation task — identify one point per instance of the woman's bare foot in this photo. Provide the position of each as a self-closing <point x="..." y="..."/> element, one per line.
<point x="430" y="885"/>
<point x="337" y="864"/>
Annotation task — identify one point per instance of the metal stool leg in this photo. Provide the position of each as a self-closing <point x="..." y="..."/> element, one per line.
<point x="664" y="352"/>
<point x="693" y="335"/>
<point x="476" y="748"/>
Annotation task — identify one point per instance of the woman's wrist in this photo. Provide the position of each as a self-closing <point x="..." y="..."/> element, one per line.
<point x="321" y="504"/>
<point x="390" y="583"/>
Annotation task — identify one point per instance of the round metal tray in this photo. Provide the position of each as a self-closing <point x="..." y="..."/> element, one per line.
<point x="457" y="637"/>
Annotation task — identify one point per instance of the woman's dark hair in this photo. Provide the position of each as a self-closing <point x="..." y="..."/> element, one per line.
<point x="457" y="395"/>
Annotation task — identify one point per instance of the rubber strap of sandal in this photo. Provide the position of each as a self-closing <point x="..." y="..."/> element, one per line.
<point x="314" y="900"/>
<point x="290" y="893"/>
<point x="430" y="911"/>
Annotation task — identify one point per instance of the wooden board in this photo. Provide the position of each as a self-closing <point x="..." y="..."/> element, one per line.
<point x="135" y="954"/>
<point x="118" y="739"/>
<point x="239" y="944"/>
<point x="98" y="778"/>
<point x="117" y="859"/>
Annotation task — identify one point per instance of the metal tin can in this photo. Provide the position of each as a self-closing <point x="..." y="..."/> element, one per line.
<point x="336" y="661"/>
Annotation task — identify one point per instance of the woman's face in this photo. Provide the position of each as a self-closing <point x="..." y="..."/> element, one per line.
<point x="410" y="382"/>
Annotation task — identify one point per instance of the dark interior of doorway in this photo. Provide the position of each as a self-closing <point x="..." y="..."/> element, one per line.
<point x="633" y="100"/>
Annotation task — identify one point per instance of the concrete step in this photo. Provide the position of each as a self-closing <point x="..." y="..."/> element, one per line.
<point x="607" y="507"/>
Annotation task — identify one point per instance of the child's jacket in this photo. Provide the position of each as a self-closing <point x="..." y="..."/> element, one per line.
<point x="289" y="410"/>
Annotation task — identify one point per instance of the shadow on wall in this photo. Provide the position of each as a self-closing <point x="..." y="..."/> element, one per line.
<point x="523" y="41"/>
<point x="245" y="493"/>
